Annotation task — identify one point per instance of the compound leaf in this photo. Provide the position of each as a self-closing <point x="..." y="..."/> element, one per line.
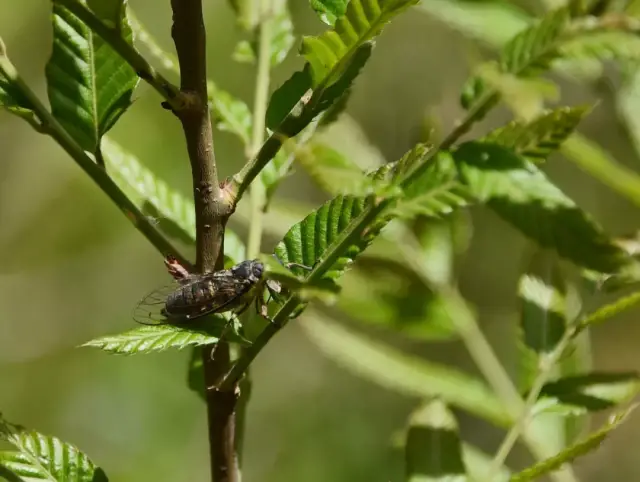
<point x="42" y="457"/>
<point x="89" y="84"/>
<point x="522" y="195"/>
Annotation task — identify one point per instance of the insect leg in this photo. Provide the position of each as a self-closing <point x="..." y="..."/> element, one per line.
<point x="263" y="309"/>
<point x="226" y="329"/>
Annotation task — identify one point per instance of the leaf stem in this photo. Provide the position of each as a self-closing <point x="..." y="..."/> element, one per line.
<point x="53" y="128"/>
<point x="547" y="365"/>
<point x="257" y="191"/>
<point x="113" y="37"/>
<point x="212" y="212"/>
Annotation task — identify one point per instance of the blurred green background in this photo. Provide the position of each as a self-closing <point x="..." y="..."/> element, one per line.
<point x="72" y="267"/>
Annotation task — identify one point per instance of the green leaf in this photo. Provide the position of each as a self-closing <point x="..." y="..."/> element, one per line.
<point x="402" y="373"/>
<point x="523" y="196"/>
<point x="589" y="444"/>
<point x="527" y="54"/>
<point x="89" y="84"/>
<point x="542" y="294"/>
<point x="333" y="172"/>
<point x="12" y="97"/>
<point x="329" y="53"/>
<point x="142" y="186"/>
<point x="613" y="45"/>
<point x="276" y="170"/>
<point x="307" y="241"/>
<point x="147" y="339"/>
<point x="285" y="97"/>
<point x="588" y="393"/>
<point x="433" y="451"/>
<point x="492" y="22"/>
<point x="610" y="310"/>
<point x="435" y="193"/>
<point x="531" y="51"/>
<point x="538" y="139"/>
<point x="329" y="10"/>
<point x="392" y="296"/>
<point x="230" y="114"/>
<point x="282" y="38"/>
<point x="42" y="457"/>
<point x="628" y="103"/>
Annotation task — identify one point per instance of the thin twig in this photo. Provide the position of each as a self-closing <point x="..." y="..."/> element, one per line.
<point x="257" y="189"/>
<point x="546" y="366"/>
<point x="113" y="36"/>
<point x="212" y="213"/>
<point x="51" y="126"/>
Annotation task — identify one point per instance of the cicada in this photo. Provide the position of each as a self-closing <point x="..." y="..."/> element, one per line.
<point x="198" y="295"/>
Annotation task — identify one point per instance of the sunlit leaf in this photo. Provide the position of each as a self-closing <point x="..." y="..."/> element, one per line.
<point x="608" y="311"/>
<point x="532" y="50"/>
<point x="435" y="193"/>
<point x="522" y="195"/>
<point x="42" y="457"/>
<point x="362" y="21"/>
<point x="585" y="446"/>
<point x="612" y="45"/>
<point x="539" y="138"/>
<point x="89" y="84"/>
<point x="329" y="10"/>
<point x="433" y="451"/>
<point x="308" y="240"/>
<point x="588" y="393"/>
<point x="403" y="373"/>
<point x="147" y="339"/>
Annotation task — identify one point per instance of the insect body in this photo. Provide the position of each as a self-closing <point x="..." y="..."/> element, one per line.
<point x="198" y="295"/>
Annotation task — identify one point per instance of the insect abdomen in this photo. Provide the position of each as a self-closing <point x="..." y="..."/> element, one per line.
<point x="190" y="300"/>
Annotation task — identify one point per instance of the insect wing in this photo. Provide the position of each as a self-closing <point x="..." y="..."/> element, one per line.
<point x="150" y="309"/>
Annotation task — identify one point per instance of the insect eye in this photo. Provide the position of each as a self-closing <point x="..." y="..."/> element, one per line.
<point x="241" y="270"/>
<point x="257" y="270"/>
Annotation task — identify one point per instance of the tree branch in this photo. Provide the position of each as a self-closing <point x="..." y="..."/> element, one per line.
<point x="113" y="36"/>
<point x="212" y="213"/>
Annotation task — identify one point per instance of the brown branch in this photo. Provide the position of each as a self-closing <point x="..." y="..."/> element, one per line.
<point x="212" y="212"/>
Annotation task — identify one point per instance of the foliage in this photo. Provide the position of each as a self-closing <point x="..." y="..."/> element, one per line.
<point x="397" y="227"/>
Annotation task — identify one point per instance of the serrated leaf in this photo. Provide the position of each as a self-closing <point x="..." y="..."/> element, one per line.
<point x="522" y="195"/>
<point x="363" y="20"/>
<point x="588" y="393"/>
<point x="147" y="339"/>
<point x="142" y="186"/>
<point x="436" y="192"/>
<point x="525" y="55"/>
<point x="538" y="139"/>
<point x="285" y="97"/>
<point x="308" y="240"/>
<point x="589" y="444"/>
<point x="88" y="83"/>
<point x="433" y="451"/>
<point x="402" y="373"/>
<point x="42" y="457"/>
<point x="610" y="310"/>
<point x="329" y="10"/>
<point x="532" y="50"/>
